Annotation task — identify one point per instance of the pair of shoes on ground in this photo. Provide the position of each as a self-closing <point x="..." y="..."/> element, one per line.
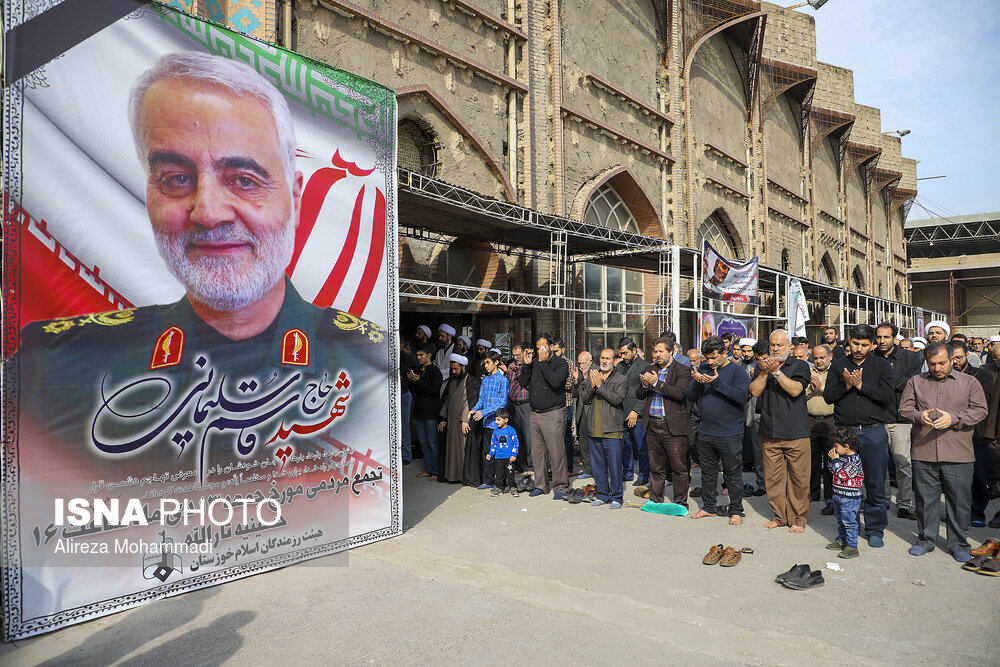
<point x="845" y="551"/>
<point x="800" y="578"/>
<point x="724" y="556"/>
<point x="614" y="504"/>
<point x="497" y="491"/>
<point x="574" y="496"/>
<point x="984" y="558"/>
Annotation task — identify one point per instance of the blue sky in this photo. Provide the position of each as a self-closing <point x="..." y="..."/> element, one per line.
<point x="932" y="67"/>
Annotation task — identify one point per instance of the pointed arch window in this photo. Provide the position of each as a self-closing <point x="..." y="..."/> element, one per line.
<point x="721" y="235"/>
<point x="858" y="279"/>
<point x="607" y="284"/>
<point x="416" y="148"/>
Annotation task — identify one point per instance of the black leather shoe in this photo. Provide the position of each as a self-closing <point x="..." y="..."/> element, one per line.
<point x="795" y="572"/>
<point x="827" y="510"/>
<point x="904" y="513"/>
<point x="759" y="491"/>
<point x="696" y="493"/>
<point x="995" y="522"/>
<point x="812" y="580"/>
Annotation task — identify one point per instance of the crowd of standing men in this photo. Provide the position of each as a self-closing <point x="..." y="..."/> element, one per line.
<point x="919" y="414"/>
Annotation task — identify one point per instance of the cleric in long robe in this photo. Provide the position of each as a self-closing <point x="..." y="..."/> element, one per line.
<point x="241" y="370"/>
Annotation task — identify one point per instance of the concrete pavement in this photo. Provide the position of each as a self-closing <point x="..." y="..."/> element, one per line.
<point x="513" y="580"/>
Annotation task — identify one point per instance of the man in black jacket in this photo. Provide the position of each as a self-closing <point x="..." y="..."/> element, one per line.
<point x="425" y="383"/>
<point x="634" y="428"/>
<point x="662" y="389"/>
<point x="545" y="379"/>
<point x="862" y="388"/>
<point x="905" y="365"/>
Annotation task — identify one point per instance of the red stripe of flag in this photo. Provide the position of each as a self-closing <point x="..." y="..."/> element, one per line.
<point x="335" y="280"/>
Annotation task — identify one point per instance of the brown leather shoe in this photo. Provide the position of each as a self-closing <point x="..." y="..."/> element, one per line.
<point x="730" y="557"/>
<point x="713" y="555"/>
<point x="987" y="548"/>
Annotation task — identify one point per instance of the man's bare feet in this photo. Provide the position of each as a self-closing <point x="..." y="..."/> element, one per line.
<point x="771" y="524"/>
<point x="796" y="529"/>
<point x="701" y="514"/>
<point x="736" y="520"/>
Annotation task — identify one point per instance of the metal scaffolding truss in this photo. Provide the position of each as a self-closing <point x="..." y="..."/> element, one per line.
<point x="950" y="240"/>
<point x="426" y="290"/>
<point x="515" y="215"/>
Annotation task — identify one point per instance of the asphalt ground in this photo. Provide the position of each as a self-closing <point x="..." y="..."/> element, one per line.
<point x="476" y="579"/>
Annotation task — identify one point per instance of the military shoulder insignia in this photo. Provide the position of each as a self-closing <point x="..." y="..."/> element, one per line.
<point x="108" y="319"/>
<point x="347" y="322"/>
<point x="295" y="348"/>
<point x="168" y="349"/>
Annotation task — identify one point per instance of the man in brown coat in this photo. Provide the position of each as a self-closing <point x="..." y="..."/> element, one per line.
<point x="944" y="406"/>
<point x="665" y="421"/>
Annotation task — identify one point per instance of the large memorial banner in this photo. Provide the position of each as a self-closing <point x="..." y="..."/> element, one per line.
<point x="200" y="310"/>
<point x="727" y="279"/>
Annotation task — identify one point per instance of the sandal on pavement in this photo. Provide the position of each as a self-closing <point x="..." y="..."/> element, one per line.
<point x="714" y="555"/>
<point x="730" y="557"/>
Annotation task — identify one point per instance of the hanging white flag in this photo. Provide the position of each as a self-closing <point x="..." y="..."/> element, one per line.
<point x="798" y="309"/>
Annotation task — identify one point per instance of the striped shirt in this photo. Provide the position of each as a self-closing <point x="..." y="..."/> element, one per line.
<point x="656" y="405"/>
<point x="517" y="393"/>
<point x="492" y="397"/>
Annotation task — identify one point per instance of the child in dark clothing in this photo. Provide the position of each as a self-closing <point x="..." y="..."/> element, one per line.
<point x="848" y="478"/>
<point x="503" y="453"/>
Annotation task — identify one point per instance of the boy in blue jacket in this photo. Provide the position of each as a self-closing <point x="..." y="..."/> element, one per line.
<point x="502" y="454"/>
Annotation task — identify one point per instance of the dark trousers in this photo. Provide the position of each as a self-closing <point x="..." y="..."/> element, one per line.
<point x="502" y="472"/>
<point x="874" y="452"/>
<point x="634" y="446"/>
<point x="547" y="432"/>
<point x="667" y="453"/>
<point x="692" y="441"/>
<point x="729" y="450"/>
<point x="427" y="435"/>
<point x="406" y="439"/>
<point x="758" y="452"/>
<point x="521" y="421"/>
<point x="955" y="479"/>
<point x="487" y="468"/>
<point x="980" y="485"/>
<point x="583" y="438"/>
<point x="819" y="439"/>
<point x="606" y="457"/>
<point x="568" y="438"/>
